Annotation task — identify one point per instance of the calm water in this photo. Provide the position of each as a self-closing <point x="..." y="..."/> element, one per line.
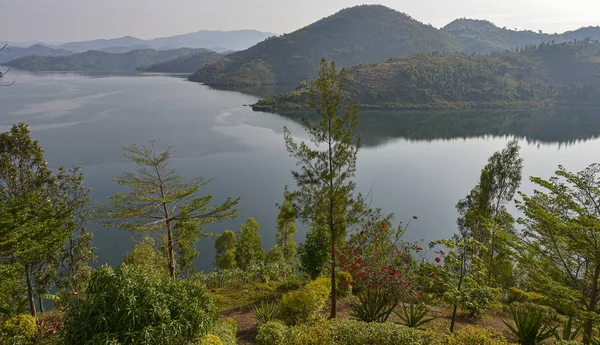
<point x="417" y="163"/>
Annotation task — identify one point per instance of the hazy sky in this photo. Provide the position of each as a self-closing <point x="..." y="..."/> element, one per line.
<point x="69" y="20"/>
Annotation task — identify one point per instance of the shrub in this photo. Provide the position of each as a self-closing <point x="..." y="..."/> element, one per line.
<point x="343" y="281"/>
<point x="267" y="311"/>
<point x="258" y="273"/>
<point x="273" y="333"/>
<point x="317" y="334"/>
<point x="518" y="295"/>
<point x="211" y="339"/>
<point x="20" y="326"/>
<point x="352" y="332"/>
<point x="129" y="306"/>
<point x="471" y="335"/>
<point x="547" y="313"/>
<point x="226" y="329"/>
<point x="305" y="304"/>
<point x="476" y="300"/>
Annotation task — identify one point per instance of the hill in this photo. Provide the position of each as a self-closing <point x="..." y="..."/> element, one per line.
<point x="185" y="64"/>
<point x="211" y="39"/>
<point x="11" y="53"/>
<point x="353" y="35"/>
<point x="94" y="60"/>
<point x="125" y="49"/>
<point x="483" y="37"/>
<point x="548" y="74"/>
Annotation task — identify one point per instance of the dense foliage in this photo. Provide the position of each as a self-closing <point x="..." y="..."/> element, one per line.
<point x="184" y="64"/>
<point x="129" y="306"/>
<point x="561" y="73"/>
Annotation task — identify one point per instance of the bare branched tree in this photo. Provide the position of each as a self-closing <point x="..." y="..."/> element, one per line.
<point x="2" y="74"/>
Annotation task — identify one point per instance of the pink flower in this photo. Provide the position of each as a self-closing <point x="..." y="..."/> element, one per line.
<point x="437" y="259"/>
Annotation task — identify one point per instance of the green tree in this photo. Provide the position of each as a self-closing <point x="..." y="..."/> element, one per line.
<point x="286" y="230"/>
<point x="226" y="246"/>
<point x="186" y="235"/>
<point x="275" y="256"/>
<point x="157" y="198"/>
<point x="249" y="249"/>
<point x="326" y="193"/>
<point x="33" y="215"/>
<point x="314" y="252"/>
<point x="146" y="256"/>
<point x="562" y="232"/>
<point x="483" y="214"/>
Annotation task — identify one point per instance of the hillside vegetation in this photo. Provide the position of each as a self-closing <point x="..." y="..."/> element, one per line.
<point x="185" y="64"/>
<point x="98" y="60"/>
<point x="353" y="35"/>
<point x="547" y="74"/>
<point x="11" y="53"/>
<point x="483" y="37"/>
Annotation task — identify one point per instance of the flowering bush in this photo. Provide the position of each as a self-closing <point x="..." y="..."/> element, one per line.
<point x="378" y="260"/>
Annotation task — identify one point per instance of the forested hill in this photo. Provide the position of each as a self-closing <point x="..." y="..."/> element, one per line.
<point x="185" y="64"/>
<point x="482" y="36"/>
<point x="94" y="60"/>
<point x="543" y="75"/>
<point x="351" y="36"/>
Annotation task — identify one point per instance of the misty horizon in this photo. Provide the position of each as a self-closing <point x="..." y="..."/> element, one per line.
<point x="68" y="21"/>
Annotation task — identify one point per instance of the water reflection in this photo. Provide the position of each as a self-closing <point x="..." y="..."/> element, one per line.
<point x="561" y="125"/>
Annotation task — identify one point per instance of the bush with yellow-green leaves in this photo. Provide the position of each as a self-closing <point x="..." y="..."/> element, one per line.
<point x="304" y="305"/>
<point x="20" y="327"/>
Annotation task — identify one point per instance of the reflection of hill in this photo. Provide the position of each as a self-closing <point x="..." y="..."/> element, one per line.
<point x="554" y="125"/>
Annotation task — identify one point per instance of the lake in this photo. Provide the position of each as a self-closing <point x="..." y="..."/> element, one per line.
<point x="415" y="163"/>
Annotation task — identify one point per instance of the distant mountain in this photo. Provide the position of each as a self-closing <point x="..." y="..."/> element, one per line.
<point x="545" y="75"/>
<point x="125" y="49"/>
<point x="185" y="64"/>
<point x="216" y="40"/>
<point x="100" y="44"/>
<point x="94" y="60"/>
<point x="11" y="53"/>
<point x="219" y="41"/>
<point x="358" y="34"/>
<point x="483" y="37"/>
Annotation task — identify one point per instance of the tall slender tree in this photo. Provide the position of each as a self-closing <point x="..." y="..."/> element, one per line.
<point x="562" y="235"/>
<point x="157" y="197"/>
<point x="226" y="246"/>
<point x="326" y="192"/>
<point x="483" y="214"/>
<point x="249" y="249"/>
<point x="286" y="230"/>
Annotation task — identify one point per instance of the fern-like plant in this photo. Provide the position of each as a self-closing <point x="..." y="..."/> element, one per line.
<point x="529" y="328"/>
<point x="266" y="312"/>
<point x="372" y="306"/>
<point x="569" y="333"/>
<point x="414" y="316"/>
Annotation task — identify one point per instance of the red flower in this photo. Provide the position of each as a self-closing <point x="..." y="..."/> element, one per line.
<point x="332" y="251"/>
<point x="366" y="301"/>
<point x="419" y="296"/>
<point x="437" y="259"/>
<point x="442" y="252"/>
<point x="362" y="232"/>
<point x="342" y="255"/>
<point x="415" y="217"/>
<point x="419" y="249"/>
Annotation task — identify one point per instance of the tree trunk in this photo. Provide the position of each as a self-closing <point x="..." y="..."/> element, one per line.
<point x="492" y="250"/>
<point x="30" y="296"/>
<point x="170" y="250"/>
<point x="589" y="323"/>
<point x="41" y="303"/>
<point x="333" y="288"/>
